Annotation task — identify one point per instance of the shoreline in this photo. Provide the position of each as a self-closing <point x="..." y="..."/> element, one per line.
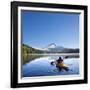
<point x="53" y="54"/>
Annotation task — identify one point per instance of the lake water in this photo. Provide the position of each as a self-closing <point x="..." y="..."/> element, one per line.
<point x="41" y="66"/>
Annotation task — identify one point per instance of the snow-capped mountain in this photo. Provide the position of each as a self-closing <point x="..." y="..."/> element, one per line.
<point x="51" y="48"/>
<point x="54" y="48"/>
<point x="52" y="45"/>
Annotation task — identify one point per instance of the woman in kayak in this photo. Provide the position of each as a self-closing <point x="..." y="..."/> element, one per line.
<point x="60" y="64"/>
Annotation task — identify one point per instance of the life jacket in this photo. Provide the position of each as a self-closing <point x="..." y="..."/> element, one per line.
<point x="62" y="65"/>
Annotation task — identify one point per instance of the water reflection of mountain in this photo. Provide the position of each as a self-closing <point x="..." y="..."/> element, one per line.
<point x="29" y="58"/>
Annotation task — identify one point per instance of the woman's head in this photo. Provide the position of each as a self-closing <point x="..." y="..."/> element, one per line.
<point x="60" y="60"/>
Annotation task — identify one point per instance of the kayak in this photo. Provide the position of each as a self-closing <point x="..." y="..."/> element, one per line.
<point x="62" y="65"/>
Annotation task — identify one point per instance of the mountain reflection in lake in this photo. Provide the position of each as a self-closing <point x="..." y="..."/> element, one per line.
<point x="40" y="65"/>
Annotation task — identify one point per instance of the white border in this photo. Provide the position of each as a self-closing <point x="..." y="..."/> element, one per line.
<point x="52" y="78"/>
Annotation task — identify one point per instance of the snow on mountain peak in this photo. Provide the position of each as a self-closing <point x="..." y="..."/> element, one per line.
<point x="52" y="45"/>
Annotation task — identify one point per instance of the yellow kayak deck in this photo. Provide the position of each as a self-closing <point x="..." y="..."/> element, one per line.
<point x="63" y="65"/>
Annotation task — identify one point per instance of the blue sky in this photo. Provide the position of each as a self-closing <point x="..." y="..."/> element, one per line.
<point x="42" y="28"/>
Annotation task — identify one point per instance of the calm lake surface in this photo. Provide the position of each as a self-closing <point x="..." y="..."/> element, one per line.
<point x="41" y="66"/>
